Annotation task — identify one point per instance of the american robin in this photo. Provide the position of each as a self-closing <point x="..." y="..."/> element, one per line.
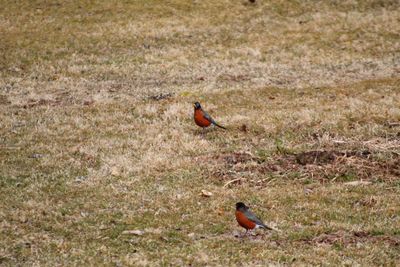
<point x="202" y="119"/>
<point x="247" y="219"/>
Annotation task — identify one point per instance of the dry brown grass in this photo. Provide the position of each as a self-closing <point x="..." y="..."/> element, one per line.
<point x="97" y="137"/>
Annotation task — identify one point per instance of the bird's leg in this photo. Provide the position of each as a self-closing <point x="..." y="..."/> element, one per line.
<point x="203" y="131"/>
<point x="244" y="234"/>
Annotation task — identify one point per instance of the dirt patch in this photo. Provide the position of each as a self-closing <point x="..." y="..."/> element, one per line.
<point x="233" y="78"/>
<point x="4" y="100"/>
<point x="333" y="165"/>
<point x="227" y="166"/>
<point x="161" y="96"/>
<point x="42" y="102"/>
<point x="317" y="165"/>
<point x="324" y="157"/>
<point x="367" y="202"/>
<point x="350" y="238"/>
<point x="235" y="158"/>
<point x="229" y="160"/>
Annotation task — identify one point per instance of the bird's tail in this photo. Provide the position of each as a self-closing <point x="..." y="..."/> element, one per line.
<point x="216" y="124"/>
<point x="266" y="227"/>
<point x="269" y="228"/>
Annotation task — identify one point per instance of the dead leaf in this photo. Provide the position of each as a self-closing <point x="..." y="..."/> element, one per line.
<point x="307" y="191"/>
<point x="205" y="193"/>
<point x="23" y="219"/>
<point x="220" y="211"/>
<point x="88" y="102"/>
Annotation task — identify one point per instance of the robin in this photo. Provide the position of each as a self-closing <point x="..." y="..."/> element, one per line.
<point x="247" y="219"/>
<point x="202" y="119"/>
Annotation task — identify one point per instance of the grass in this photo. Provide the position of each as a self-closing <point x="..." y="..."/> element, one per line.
<point x="97" y="136"/>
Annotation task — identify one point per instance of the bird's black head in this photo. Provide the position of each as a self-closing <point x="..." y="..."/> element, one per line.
<point x="197" y="105"/>
<point x="241" y="206"/>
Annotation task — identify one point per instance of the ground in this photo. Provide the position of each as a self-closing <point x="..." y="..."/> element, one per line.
<point x="101" y="162"/>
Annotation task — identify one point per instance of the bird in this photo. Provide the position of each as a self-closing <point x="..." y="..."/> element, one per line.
<point x="247" y="219"/>
<point x="202" y="119"/>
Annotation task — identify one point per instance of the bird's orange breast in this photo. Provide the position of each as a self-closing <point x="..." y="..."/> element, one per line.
<point x="243" y="221"/>
<point x="199" y="118"/>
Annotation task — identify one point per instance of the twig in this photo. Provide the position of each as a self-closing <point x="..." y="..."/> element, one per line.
<point x="339" y="142"/>
<point x="393" y="124"/>
<point x="232" y="181"/>
<point x="270" y="181"/>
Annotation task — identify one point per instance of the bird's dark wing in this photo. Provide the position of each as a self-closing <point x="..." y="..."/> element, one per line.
<point x="208" y="117"/>
<point x="252" y="217"/>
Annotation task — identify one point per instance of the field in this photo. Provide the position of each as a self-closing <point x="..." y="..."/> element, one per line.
<point x="102" y="164"/>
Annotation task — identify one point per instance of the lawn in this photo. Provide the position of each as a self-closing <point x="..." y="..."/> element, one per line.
<point x="102" y="164"/>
